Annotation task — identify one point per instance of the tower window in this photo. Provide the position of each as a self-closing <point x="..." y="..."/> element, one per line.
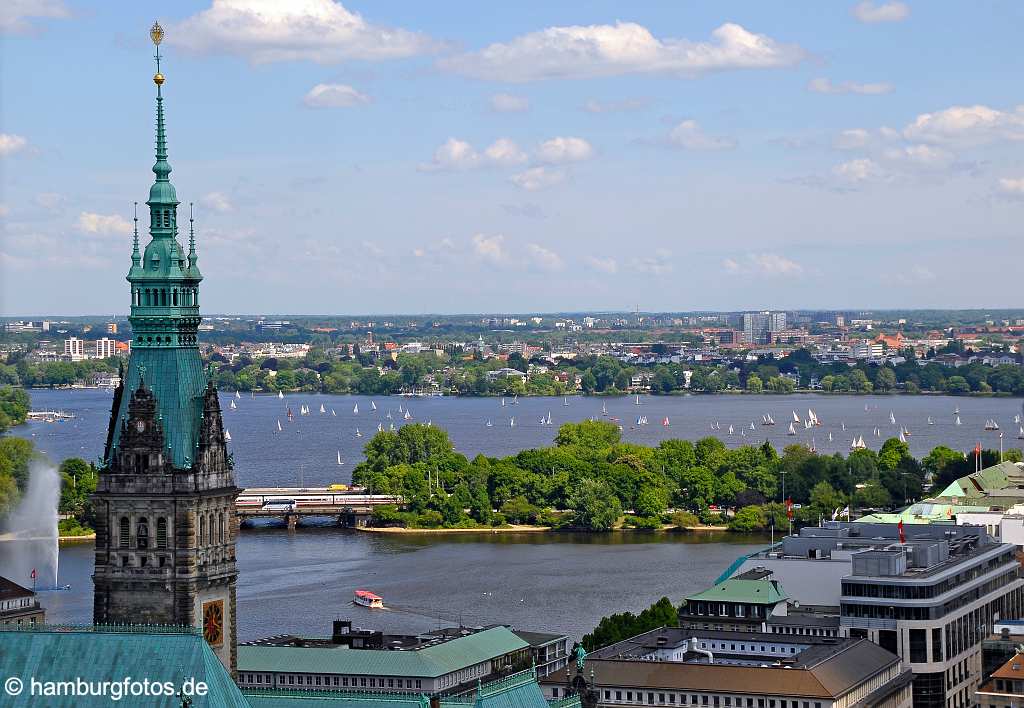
<point x="167" y="217"/>
<point x="201" y="537"/>
<point x="142" y="533"/>
<point x="220" y="527"/>
<point x="123" y="532"/>
<point x="161" y="532"/>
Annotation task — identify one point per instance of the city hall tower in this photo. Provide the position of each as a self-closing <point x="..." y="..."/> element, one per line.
<point x="165" y="500"/>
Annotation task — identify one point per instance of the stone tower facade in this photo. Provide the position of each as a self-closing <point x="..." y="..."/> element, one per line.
<point x="165" y="500"/>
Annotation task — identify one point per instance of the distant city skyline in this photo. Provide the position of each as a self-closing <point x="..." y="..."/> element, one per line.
<point x="400" y="158"/>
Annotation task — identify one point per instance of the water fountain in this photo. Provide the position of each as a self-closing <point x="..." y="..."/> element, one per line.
<point x="28" y="537"/>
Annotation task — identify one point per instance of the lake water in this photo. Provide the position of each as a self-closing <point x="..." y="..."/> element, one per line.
<point x="300" y="581"/>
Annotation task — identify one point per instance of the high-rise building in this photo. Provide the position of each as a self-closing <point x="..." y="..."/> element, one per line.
<point x="111" y="327"/>
<point x="74" y="348"/>
<point x="106" y="347"/>
<point x="165" y="499"/>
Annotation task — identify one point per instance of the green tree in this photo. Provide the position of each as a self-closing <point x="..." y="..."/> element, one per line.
<point x="754" y="384"/>
<point x="747" y="519"/>
<point x="595" y="506"/>
<point x="593" y="434"/>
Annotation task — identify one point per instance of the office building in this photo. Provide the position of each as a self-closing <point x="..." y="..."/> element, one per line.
<point x="447" y="662"/>
<point x="687" y="668"/>
<point x="74" y="349"/>
<point x="759" y="327"/>
<point x="106" y="347"/>
<point x="930" y="597"/>
<point x="18" y="605"/>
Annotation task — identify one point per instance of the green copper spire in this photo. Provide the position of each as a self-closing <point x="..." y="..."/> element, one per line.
<point x="136" y="258"/>
<point x="193" y="257"/>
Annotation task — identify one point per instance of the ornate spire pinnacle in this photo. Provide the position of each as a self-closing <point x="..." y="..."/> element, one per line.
<point x="162" y="169"/>
<point x="136" y="258"/>
<point x="192" y="257"/>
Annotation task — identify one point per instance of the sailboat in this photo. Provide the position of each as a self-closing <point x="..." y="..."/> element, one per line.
<point x="792" y="430"/>
<point x="252" y="395"/>
<point x="905" y="431"/>
<point x="408" y="415"/>
<point x="502" y="401"/>
<point x="391" y="426"/>
<point x="279" y="425"/>
<point x="1020" y="434"/>
<point x="355" y="409"/>
<point x="373" y="406"/>
<point x="565" y="401"/>
<point x="358" y="434"/>
<point x="233" y="406"/>
<point x="956" y="411"/>
<point x="515" y="399"/>
<point x="1016" y="418"/>
<point x="957" y="421"/>
<point x="227" y="435"/>
<point x="903" y="438"/>
<point x="830" y="436"/>
<point x="858" y="443"/>
<point x="752" y="425"/>
<point x="991" y="424"/>
<point x="280" y="394"/>
<point x="730" y="430"/>
<point x="930" y="421"/>
<point x="892" y="418"/>
<point x="380" y="427"/>
<point x="388" y="416"/>
<point x="512" y="422"/>
<point x="237" y="394"/>
<point x="604" y="409"/>
<point x="844" y="426"/>
<point x="549" y="418"/>
<point x="400" y="408"/>
<point x="333" y="413"/>
<point x="637" y="402"/>
<point x="665" y="422"/>
<point x="322" y="409"/>
<point x="796" y="418"/>
<point x="289" y="413"/>
<point x="339" y="457"/>
<point x="490" y="424"/>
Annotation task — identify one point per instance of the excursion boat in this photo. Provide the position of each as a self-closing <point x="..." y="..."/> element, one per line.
<point x="369" y="599"/>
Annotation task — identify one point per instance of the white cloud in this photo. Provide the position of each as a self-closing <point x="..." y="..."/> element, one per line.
<point x="920" y="157"/>
<point x="562" y="150"/>
<point x="490" y="249"/>
<point x="658" y="263"/>
<point x="536" y="178"/>
<point x="10" y="144"/>
<point x="454" y="154"/>
<point x="579" y="52"/>
<point x="322" y="31"/>
<point x="218" y="201"/>
<point x="507" y="103"/>
<point x="458" y="155"/>
<point x="626" y="104"/>
<point x="544" y="258"/>
<point x="1012" y="188"/>
<point x="103" y="224"/>
<point x="334" y="96"/>
<point x="602" y="265"/>
<point x="862" y="169"/>
<point x="690" y="136"/>
<point x="823" y="85"/>
<point x="767" y="264"/>
<point x="871" y="13"/>
<point x="967" y="125"/>
<point x="16" y="15"/>
<point x="504" y="152"/>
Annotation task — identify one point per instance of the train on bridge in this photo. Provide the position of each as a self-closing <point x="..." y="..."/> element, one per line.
<point x="307" y="498"/>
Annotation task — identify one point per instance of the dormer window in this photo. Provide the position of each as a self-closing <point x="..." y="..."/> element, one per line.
<point x="155" y="263"/>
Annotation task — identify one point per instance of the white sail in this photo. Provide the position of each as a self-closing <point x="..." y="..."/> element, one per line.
<point x="407" y="415"/>
<point x="280" y="394"/>
<point x="358" y="434"/>
<point x="844" y="426"/>
<point x="233" y="406"/>
<point x="638" y="400"/>
<point x="604" y="409"/>
<point x="373" y="406"/>
<point x="227" y="435"/>
<point x="503" y="402"/>
<point x="892" y="418"/>
<point x="339" y="457"/>
<point x="796" y="418"/>
<point x="512" y="422"/>
<point x="355" y="409"/>
<point x="752" y="425"/>
<point x="730" y="430"/>
<point x="333" y="413"/>
<point x="792" y="430"/>
<point x="830" y="436"/>
<point x="489" y="424"/>
<point x="1020" y="434"/>
<point x="237" y="394"/>
<point x="903" y="438"/>
<point x="957" y="421"/>
<point x="930" y="421"/>
<point x="380" y="427"/>
<point x="565" y="401"/>
<point x="279" y="425"/>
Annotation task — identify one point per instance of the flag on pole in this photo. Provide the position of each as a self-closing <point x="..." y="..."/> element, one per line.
<point x="899" y="527"/>
<point x="33" y="574"/>
<point x="835" y="513"/>
<point x="846" y="512"/>
<point x="789" y="508"/>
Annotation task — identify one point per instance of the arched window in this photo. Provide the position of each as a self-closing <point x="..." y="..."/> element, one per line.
<point x="201" y="536"/>
<point x="220" y="527"/>
<point x="123" y="532"/>
<point x="142" y="533"/>
<point x="161" y="532"/>
<point x="175" y="297"/>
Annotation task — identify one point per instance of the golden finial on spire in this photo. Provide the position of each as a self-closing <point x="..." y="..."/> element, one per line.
<point x="156" y="33"/>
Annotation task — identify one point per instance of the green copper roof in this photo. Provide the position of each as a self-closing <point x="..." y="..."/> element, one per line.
<point x="429" y="662"/>
<point x="516" y="691"/>
<point x="176" y="377"/>
<point x="978" y="484"/>
<point x="97" y="655"/>
<point x="753" y="592"/>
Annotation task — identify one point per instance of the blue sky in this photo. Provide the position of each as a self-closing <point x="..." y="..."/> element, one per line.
<point x="532" y="156"/>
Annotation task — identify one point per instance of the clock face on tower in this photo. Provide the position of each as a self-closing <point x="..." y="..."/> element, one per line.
<point x="213" y="622"/>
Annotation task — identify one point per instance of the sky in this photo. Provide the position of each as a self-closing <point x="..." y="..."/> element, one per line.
<point x="455" y="157"/>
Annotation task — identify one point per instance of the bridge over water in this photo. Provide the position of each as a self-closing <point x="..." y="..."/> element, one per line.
<point x="351" y="506"/>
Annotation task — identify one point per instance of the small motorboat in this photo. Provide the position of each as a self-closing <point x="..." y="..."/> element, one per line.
<point x="369" y="599"/>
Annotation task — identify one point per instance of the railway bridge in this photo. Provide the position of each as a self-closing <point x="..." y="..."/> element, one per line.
<point x="351" y="506"/>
